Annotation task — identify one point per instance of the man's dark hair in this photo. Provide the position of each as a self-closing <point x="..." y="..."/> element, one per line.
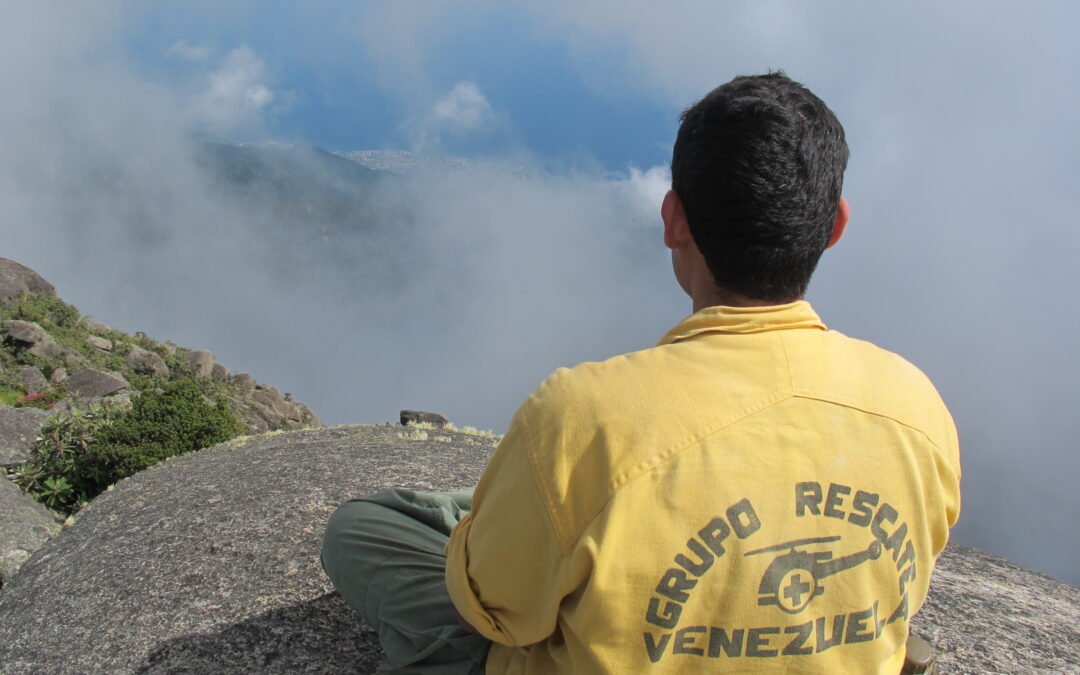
<point x="758" y="165"/>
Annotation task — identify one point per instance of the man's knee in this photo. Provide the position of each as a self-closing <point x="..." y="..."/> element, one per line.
<point x="344" y="537"/>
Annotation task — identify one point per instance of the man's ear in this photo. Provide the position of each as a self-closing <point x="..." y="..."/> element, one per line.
<point x="843" y="213"/>
<point x="676" y="229"/>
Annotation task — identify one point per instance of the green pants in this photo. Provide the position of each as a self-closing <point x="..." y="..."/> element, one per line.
<point x="386" y="555"/>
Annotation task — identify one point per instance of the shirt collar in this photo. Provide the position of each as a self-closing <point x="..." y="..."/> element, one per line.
<point x="721" y="319"/>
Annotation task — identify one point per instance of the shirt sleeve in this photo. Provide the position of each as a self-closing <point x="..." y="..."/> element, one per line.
<point x="505" y="570"/>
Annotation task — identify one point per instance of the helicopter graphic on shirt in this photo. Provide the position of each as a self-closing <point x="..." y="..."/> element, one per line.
<point x="793" y="579"/>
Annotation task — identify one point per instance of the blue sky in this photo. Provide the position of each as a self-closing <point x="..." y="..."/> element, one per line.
<point x="330" y="94"/>
<point x="960" y="255"/>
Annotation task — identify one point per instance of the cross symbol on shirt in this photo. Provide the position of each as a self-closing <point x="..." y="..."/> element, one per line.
<point x="795" y="589"/>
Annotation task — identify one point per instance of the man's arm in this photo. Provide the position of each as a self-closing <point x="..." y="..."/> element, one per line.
<point x="505" y="572"/>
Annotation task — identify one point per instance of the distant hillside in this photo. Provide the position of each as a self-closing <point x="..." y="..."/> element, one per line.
<point x="305" y="188"/>
<point x="83" y="405"/>
<point x="402" y="162"/>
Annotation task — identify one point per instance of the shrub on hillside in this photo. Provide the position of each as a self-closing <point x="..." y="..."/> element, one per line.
<point x="54" y="475"/>
<point x="45" y="310"/>
<point x="83" y="452"/>
<point x="173" y="421"/>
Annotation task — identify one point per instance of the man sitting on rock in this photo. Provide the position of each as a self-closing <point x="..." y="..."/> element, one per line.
<point x="757" y="493"/>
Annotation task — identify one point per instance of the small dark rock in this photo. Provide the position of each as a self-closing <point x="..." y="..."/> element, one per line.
<point x="414" y="416"/>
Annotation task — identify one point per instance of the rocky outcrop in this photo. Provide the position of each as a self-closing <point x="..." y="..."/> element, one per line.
<point x="264" y="408"/>
<point x="147" y="362"/>
<point x="16" y="279"/>
<point x="96" y="327"/>
<point x="219" y="373"/>
<point x="210" y="563"/>
<point x="201" y="361"/>
<point x="28" y="336"/>
<point x="52" y="357"/>
<point x="25" y="526"/>
<point x="32" y="379"/>
<point x="18" y="429"/>
<point x="91" y="384"/>
<point x="101" y="343"/>
<point x="88" y="348"/>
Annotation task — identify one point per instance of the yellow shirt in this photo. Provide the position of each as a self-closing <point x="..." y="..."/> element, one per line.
<point x="755" y="494"/>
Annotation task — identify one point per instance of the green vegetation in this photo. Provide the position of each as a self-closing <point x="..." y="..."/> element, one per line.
<point x="62" y="321"/>
<point x="9" y="396"/>
<point x="38" y="400"/>
<point x="82" y="452"/>
<point x="66" y="439"/>
<point x="48" y="311"/>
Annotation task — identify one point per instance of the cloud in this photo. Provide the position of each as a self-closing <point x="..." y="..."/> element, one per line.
<point x="183" y="51"/>
<point x="236" y="93"/>
<point x="464" y="108"/>
<point x="647" y="188"/>
<point x="461" y="116"/>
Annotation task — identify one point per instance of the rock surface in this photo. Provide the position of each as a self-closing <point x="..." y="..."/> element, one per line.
<point x="145" y="361"/>
<point x="219" y="372"/>
<point x="90" y="383"/>
<point x="210" y="563"/>
<point x="32" y="379"/>
<point x="18" y="429"/>
<point x="101" y="343"/>
<point x="16" y="279"/>
<point x="31" y="337"/>
<point x="95" y="326"/>
<point x="202" y="362"/>
<point x="987" y="615"/>
<point x="25" y="526"/>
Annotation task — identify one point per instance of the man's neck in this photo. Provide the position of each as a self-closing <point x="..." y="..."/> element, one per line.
<point x="711" y="296"/>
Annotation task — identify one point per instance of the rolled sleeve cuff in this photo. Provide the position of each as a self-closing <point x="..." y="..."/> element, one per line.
<point x="459" y="586"/>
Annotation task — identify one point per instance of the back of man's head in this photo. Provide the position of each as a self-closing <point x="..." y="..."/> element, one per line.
<point x="758" y="165"/>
